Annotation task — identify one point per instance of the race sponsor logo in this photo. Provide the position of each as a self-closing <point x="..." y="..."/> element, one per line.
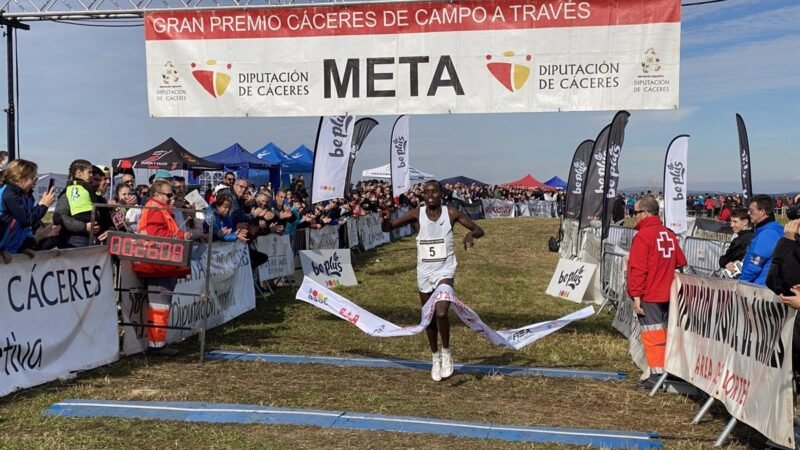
<point x="213" y="78"/>
<point x="509" y="72"/>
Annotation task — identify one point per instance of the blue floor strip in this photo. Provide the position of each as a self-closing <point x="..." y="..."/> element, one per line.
<point x="417" y="365"/>
<point x="252" y="414"/>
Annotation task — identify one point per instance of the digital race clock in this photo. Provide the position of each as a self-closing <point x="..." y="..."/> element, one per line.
<point x="140" y="247"/>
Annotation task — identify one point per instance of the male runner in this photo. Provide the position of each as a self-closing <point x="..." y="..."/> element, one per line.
<point x="436" y="262"/>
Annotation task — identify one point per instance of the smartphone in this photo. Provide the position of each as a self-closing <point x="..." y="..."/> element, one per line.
<point x="51" y="184"/>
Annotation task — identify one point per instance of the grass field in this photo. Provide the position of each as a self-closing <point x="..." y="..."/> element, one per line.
<point x="503" y="279"/>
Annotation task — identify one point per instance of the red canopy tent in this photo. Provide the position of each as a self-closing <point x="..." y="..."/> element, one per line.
<point x="529" y="182"/>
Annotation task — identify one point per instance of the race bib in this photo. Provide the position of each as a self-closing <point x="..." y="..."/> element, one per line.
<point x="432" y="251"/>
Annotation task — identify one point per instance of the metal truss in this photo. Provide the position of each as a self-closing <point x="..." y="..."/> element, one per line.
<point x="27" y="10"/>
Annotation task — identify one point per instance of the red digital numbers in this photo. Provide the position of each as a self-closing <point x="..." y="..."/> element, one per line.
<point x="144" y="248"/>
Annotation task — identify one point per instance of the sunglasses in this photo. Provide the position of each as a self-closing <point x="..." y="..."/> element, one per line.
<point x="638" y="211"/>
<point x="168" y="194"/>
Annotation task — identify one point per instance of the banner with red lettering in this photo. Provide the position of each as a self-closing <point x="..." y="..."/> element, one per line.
<point x="419" y="57"/>
<point x="734" y="341"/>
<point x="494" y="208"/>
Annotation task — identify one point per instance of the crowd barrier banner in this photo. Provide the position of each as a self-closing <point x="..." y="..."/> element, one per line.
<point x="278" y="248"/>
<point x="702" y="255"/>
<point x="422" y="57"/>
<point x="407" y="230"/>
<point x="569" y="246"/>
<point x="326" y="237"/>
<point x="57" y="315"/>
<point x="329" y="267"/>
<point x="543" y="208"/>
<point x="734" y="341"/>
<point x="232" y="294"/>
<point x="352" y="232"/>
<point x="473" y="210"/>
<point x="370" y="233"/>
<point x="494" y="208"/>
<point x="522" y="209"/>
<point x="591" y="254"/>
<point x="571" y="279"/>
<point x="625" y="321"/>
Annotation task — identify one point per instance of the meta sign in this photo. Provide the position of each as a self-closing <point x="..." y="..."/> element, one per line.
<point x="143" y="248"/>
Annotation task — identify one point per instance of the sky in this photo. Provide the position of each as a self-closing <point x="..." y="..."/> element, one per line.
<point x="83" y="95"/>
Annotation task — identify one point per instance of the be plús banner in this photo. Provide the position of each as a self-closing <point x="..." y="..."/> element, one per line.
<point x="744" y="160"/>
<point x="675" y="187"/>
<point x="616" y="138"/>
<point x="426" y="57"/>
<point x="400" y="163"/>
<point x="331" y="157"/>
<point x="592" y="206"/>
<point x="576" y="185"/>
<point x="362" y="128"/>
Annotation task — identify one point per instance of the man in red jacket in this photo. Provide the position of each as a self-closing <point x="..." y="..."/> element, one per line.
<point x="655" y="254"/>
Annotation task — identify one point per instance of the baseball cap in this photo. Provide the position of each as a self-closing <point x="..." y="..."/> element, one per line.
<point x="162" y="174"/>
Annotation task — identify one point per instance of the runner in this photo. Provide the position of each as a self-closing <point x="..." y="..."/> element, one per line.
<point x="436" y="262"/>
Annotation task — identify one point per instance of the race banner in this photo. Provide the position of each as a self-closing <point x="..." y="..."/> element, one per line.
<point x="494" y="208"/>
<point x="370" y="233"/>
<point x="744" y="160"/>
<point x="278" y="248"/>
<point x="521" y="209"/>
<point x="352" y="232"/>
<point x="329" y="267"/>
<point x="331" y="156"/>
<point x="58" y="315"/>
<point x="473" y="210"/>
<point x="592" y="205"/>
<point x="734" y="342"/>
<point x="399" y="157"/>
<point x="362" y="128"/>
<point x="315" y="294"/>
<point x="422" y="57"/>
<point x="675" y="189"/>
<point x="326" y="237"/>
<point x="232" y="294"/>
<point x="542" y="208"/>
<point x="576" y="185"/>
<point x="571" y="279"/>
<point x="616" y="138"/>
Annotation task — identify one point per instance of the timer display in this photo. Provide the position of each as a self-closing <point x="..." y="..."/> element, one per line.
<point x="143" y="248"/>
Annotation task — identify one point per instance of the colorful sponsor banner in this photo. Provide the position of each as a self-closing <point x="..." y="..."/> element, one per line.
<point x="399" y="157"/>
<point x="744" y="160"/>
<point x="323" y="238"/>
<point x="571" y="279"/>
<point x="329" y="267"/>
<point x="494" y="208"/>
<point x="576" y="186"/>
<point x="734" y="342"/>
<point x="675" y="188"/>
<point x="331" y="157"/>
<point x="58" y="316"/>
<point x="315" y="294"/>
<point x="423" y="57"/>
<point x="232" y="294"/>
<point x="278" y="248"/>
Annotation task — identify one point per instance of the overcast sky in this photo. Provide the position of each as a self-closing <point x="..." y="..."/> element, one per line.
<point x="83" y="95"/>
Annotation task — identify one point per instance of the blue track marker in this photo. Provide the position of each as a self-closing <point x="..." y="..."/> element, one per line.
<point x="252" y="414"/>
<point x="417" y="365"/>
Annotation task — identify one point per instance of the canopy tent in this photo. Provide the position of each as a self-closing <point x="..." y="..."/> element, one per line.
<point x="236" y="159"/>
<point x="529" y="182"/>
<point x="382" y="172"/>
<point x="272" y="154"/>
<point x="556" y="182"/>
<point x="301" y="160"/>
<point x="464" y="180"/>
<point x="168" y="155"/>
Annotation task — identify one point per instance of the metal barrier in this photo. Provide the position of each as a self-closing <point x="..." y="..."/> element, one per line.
<point x="622" y="237"/>
<point x="702" y="255"/>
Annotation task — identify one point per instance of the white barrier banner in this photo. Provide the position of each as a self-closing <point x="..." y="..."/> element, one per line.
<point x="734" y="341"/>
<point x="675" y="190"/>
<point x="352" y="232"/>
<point x="494" y="208"/>
<point x="426" y="57"/>
<point x="315" y="294"/>
<point x="278" y="247"/>
<point x="329" y="267"/>
<point x="370" y="233"/>
<point x="57" y="316"/>
<point x="232" y="294"/>
<point x="326" y="237"/>
<point x="571" y="279"/>
<point x="522" y="209"/>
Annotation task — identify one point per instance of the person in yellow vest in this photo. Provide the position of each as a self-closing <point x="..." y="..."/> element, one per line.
<point x="160" y="280"/>
<point x="74" y="206"/>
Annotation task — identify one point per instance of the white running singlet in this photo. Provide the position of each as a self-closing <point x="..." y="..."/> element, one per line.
<point x="436" y="259"/>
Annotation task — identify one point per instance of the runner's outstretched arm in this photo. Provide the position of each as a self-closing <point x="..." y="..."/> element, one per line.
<point x="475" y="231"/>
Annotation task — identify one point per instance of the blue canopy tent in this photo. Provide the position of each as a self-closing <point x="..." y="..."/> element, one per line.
<point x="556" y="182"/>
<point x="272" y="154"/>
<point x="462" y="179"/>
<point x="301" y="160"/>
<point x="236" y="159"/>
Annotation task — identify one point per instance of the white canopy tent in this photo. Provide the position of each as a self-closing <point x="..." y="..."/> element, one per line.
<point x="382" y="172"/>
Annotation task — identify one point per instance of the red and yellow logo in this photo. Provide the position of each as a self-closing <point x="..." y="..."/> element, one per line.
<point x="510" y="73"/>
<point x="215" y="82"/>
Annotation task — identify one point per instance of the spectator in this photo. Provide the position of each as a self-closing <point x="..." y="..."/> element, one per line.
<point x="74" y="206"/>
<point x="740" y="223"/>
<point x="20" y="217"/>
<point x="220" y="223"/>
<point x="3" y="160"/>
<point x="123" y="196"/>
<point x="159" y="279"/>
<point x="767" y="233"/>
<point x="655" y="254"/>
